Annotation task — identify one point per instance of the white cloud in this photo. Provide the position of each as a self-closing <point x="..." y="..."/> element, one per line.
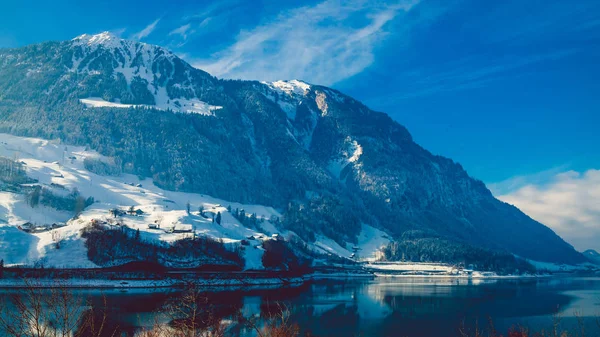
<point x="146" y="31"/>
<point x="183" y="31"/>
<point x="569" y="203"/>
<point x="320" y="44"/>
<point x="517" y="182"/>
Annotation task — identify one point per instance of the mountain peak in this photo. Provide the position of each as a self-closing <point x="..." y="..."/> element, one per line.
<point x="104" y="38"/>
<point x="297" y="87"/>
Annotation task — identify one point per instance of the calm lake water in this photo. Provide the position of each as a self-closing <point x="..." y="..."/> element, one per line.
<point x="386" y="307"/>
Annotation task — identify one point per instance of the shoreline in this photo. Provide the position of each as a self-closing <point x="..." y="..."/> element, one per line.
<point x="142" y="284"/>
<point x="226" y="282"/>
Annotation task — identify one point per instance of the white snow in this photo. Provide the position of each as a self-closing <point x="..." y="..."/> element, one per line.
<point x="96" y="102"/>
<point x="181" y="105"/>
<point x="412" y="266"/>
<point x="557" y="267"/>
<point x="104" y="38"/>
<point x="368" y="248"/>
<point x="290" y="87"/>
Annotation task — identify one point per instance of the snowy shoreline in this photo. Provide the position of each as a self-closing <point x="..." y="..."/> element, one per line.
<point x="462" y="277"/>
<point x="235" y="282"/>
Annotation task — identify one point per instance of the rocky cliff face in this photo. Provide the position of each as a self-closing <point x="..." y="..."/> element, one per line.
<point x="326" y="159"/>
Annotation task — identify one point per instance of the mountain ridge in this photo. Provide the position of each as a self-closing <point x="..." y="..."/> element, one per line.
<point x="326" y="159"/>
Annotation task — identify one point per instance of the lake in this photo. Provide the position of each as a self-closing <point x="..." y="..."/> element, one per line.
<point x="382" y="307"/>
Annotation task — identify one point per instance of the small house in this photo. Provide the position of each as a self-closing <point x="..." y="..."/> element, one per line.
<point x="116" y="212"/>
<point x="276" y="237"/>
<point x="26" y="227"/>
<point x="153" y="226"/>
<point x="57" y="225"/>
<point x="137" y="212"/>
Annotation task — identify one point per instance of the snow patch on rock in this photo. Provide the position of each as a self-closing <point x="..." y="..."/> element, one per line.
<point x="350" y="155"/>
<point x="182" y="105"/>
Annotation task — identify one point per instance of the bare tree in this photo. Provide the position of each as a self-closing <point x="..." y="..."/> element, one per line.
<point x="35" y="311"/>
<point x="57" y="238"/>
<point x="276" y="325"/>
<point x="189" y="316"/>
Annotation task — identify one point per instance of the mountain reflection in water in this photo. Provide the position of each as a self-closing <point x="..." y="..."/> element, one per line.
<point x="382" y="307"/>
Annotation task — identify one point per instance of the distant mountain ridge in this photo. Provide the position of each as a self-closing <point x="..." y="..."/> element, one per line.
<point x="323" y="158"/>
<point x="592" y="255"/>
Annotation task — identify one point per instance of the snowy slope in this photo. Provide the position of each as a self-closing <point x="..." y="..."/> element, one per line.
<point x="138" y="62"/>
<point x="63" y="165"/>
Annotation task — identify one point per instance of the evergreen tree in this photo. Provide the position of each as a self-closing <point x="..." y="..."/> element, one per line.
<point x="114" y="212"/>
<point x="219" y="218"/>
<point x="34" y="196"/>
<point x="79" y="205"/>
<point x="188" y="207"/>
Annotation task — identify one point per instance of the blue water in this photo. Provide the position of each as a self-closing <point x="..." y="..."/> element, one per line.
<point x="384" y="307"/>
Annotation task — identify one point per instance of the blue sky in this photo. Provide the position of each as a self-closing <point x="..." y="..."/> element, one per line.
<point x="510" y="89"/>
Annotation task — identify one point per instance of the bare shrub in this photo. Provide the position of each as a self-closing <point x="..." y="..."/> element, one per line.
<point x="555" y="330"/>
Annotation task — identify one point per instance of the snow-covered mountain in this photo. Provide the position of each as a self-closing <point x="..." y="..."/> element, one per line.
<point x="149" y="71"/>
<point x="327" y="163"/>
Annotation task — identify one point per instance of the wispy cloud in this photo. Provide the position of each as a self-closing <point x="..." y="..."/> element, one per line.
<point x="118" y="32"/>
<point x="468" y="73"/>
<point x="213" y="9"/>
<point x="567" y="203"/>
<point x="505" y="41"/>
<point x="146" y="31"/>
<point x="182" y="31"/>
<point x="320" y="44"/>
